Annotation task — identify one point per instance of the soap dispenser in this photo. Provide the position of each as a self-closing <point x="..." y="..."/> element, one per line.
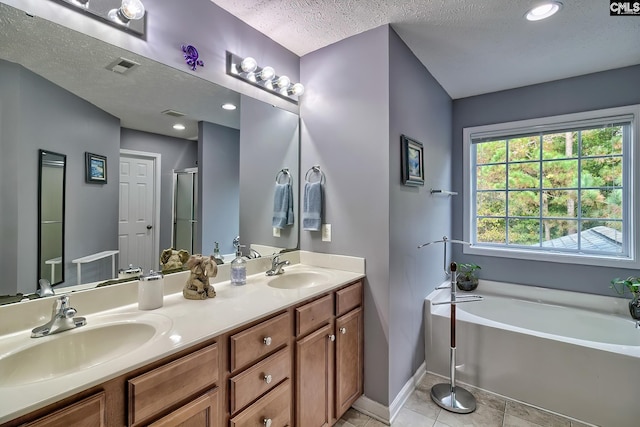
<point x="239" y="268"/>
<point x="216" y="254"/>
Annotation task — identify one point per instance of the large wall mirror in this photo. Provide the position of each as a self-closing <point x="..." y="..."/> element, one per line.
<point x="51" y="216"/>
<point x="65" y="92"/>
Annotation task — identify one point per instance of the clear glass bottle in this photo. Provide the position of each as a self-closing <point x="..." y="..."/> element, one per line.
<point x="216" y="254"/>
<point x="239" y="269"/>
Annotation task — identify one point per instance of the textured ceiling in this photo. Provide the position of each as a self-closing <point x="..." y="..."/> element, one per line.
<point x="79" y="64"/>
<point x="470" y="46"/>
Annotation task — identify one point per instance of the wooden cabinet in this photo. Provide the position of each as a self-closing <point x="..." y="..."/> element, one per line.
<point x="202" y="412"/>
<point x="89" y="412"/>
<point x="329" y="360"/>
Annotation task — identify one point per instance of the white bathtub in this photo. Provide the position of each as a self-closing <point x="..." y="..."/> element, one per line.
<point x="570" y="353"/>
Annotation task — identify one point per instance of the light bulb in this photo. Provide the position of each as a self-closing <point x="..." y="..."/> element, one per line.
<point x="296" y="90"/>
<point x="266" y="74"/>
<point x="283" y="82"/>
<point x="248" y="65"/>
<point x="228" y="106"/>
<point x="179" y="126"/>
<point x="543" y="11"/>
<point x="128" y="10"/>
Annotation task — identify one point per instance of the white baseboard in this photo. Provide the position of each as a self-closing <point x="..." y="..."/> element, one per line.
<point x="387" y="414"/>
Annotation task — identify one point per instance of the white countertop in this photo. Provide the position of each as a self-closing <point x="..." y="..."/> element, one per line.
<point x="186" y="322"/>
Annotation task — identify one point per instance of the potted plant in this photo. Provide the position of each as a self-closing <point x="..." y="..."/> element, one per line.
<point x="630" y="285"/>
<point x="467" y="279"/>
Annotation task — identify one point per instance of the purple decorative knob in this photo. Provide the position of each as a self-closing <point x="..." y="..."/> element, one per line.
<point x="191" y="56"/>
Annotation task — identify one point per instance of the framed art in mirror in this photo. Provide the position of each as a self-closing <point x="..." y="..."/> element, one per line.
<point x="412" y="161"/>
<point x="96" y="168"/>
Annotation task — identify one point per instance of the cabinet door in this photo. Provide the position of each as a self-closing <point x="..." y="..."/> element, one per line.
<point x="202" y="412"/>
<point x="314" y="372"/>
<point x="349" y="360"/>
<point x="89" y="412"/>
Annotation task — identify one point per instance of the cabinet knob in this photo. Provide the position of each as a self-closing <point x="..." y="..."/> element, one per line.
<point x="267" y="340"/>
<point x="343" y="331"/>
<point x="267" y="379"/>
<point x="332" y="337"/>
<point x="267" y="422"/>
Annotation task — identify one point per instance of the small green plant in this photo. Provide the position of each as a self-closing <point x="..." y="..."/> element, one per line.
<point x="466" y="272"/>
<point x="629" y="285"/>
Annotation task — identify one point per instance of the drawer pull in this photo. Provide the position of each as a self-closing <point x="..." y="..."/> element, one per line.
<point x="343" y="331"/>
<point x="267" y="422"/>
<point x="332" y="337"/>
<point x="266" y="340"/>
<point x="267" y="379"/>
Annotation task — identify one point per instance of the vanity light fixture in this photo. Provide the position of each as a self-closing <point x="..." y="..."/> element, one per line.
<point x="179" y="126"/>
<point x="126" y="15"/>
<point x="228" y="106"/>
<point x="543" y="10"/>
<point x="248" y="70"/>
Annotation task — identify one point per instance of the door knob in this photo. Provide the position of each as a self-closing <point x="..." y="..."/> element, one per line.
<point x="149" y="227"/>
<point x="343" y="331"/>
<point x="332" y="337"/>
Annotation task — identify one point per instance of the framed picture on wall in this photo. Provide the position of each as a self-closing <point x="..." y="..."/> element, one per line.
<point x="95" y="168"/>
<point x="412" y="161"/>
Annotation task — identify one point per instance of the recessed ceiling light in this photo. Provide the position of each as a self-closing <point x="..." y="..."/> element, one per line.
<point x="543" y="11"/>
<point x="179" y="126"/>
<point x="228" y="106"/>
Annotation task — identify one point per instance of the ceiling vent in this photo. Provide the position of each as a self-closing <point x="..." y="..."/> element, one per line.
<point x="173" y="113"/>
<point x="122" y="65"/>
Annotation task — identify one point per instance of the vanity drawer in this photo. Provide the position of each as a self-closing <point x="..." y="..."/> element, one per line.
<point x="259" y="340"/>
<point x="348" y="298"/>
<point x="274" y="406"/>
<point x="314" y="314"/>
<point x="258" y="379"/>
<point x="159" y="389"/>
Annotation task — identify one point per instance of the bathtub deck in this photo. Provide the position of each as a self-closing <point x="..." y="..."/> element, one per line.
<point x="492" y="411"/>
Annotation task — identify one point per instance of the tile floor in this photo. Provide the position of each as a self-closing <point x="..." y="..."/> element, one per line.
<point x="491" y="411"/>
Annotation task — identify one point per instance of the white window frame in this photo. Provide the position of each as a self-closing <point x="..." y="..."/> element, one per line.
<point x="630" y="163"/>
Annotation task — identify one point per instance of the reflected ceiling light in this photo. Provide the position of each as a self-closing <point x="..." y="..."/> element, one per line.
<point x="248" y="70"/>
<point x="543" y="11"/>
<point x="179" y="126"/>
<point x="129" y="10"/>
<point x="228" y="106"/>
<point x="81" y="3"/>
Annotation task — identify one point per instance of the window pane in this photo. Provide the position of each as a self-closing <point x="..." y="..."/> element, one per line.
<point x="602" y="141"/>
<point x="524" y="203"/>
<point x="560" y="234"/>
<point x="491" y="152"/>
<point x="560" y="174"/>
<point x="524" y="175"/>
<point x="601" y="203"/>
<point x="560" y="203"/>
<point x="491" y="203"/>
<point x="524" y="232"/>
<point x="601" y="236"/>
<point x="525" y="148"/>
<point x="560" y="145"/>
<point x="491" y="230"/>
<point x="491" y="177"/>
<point x="602" y="171"/>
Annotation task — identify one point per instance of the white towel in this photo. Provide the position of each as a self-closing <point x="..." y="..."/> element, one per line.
<point x="312" y="209"/>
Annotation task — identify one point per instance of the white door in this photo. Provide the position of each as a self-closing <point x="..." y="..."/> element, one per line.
<point x="136" y="233"/>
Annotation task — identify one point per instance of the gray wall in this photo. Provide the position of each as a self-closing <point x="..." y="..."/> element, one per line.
<point x="175" y="153"/>
<point x="218" y="187"/>
<point x="269" y="141"/>
<point x="38" y="114"/>
<point x="345" y="130"/>
<point x="421" y="109"/>
<point x="201" y="23"/>
<point x="590" y="92"/>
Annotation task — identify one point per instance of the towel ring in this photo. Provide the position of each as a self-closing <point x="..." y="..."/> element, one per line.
<point x="281" y="173"/>
<point x="315" y="170"/>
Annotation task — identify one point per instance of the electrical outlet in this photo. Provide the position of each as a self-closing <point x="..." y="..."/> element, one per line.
<point x="326" y="232"/>
<point x="276" y="232"/>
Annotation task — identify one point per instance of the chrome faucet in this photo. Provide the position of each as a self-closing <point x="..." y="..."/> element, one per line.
<point x="44" y="288"/>
<point x="254" y="254"/>
<point x="276" y="266"/>
<point x="61" y="319"/>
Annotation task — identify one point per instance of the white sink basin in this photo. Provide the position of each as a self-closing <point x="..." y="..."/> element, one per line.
<point x="299" y="280"/>
<point x="60" y="354"/>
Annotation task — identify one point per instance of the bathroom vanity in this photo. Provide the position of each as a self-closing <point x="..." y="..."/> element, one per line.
<point x="278" y="351"/>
